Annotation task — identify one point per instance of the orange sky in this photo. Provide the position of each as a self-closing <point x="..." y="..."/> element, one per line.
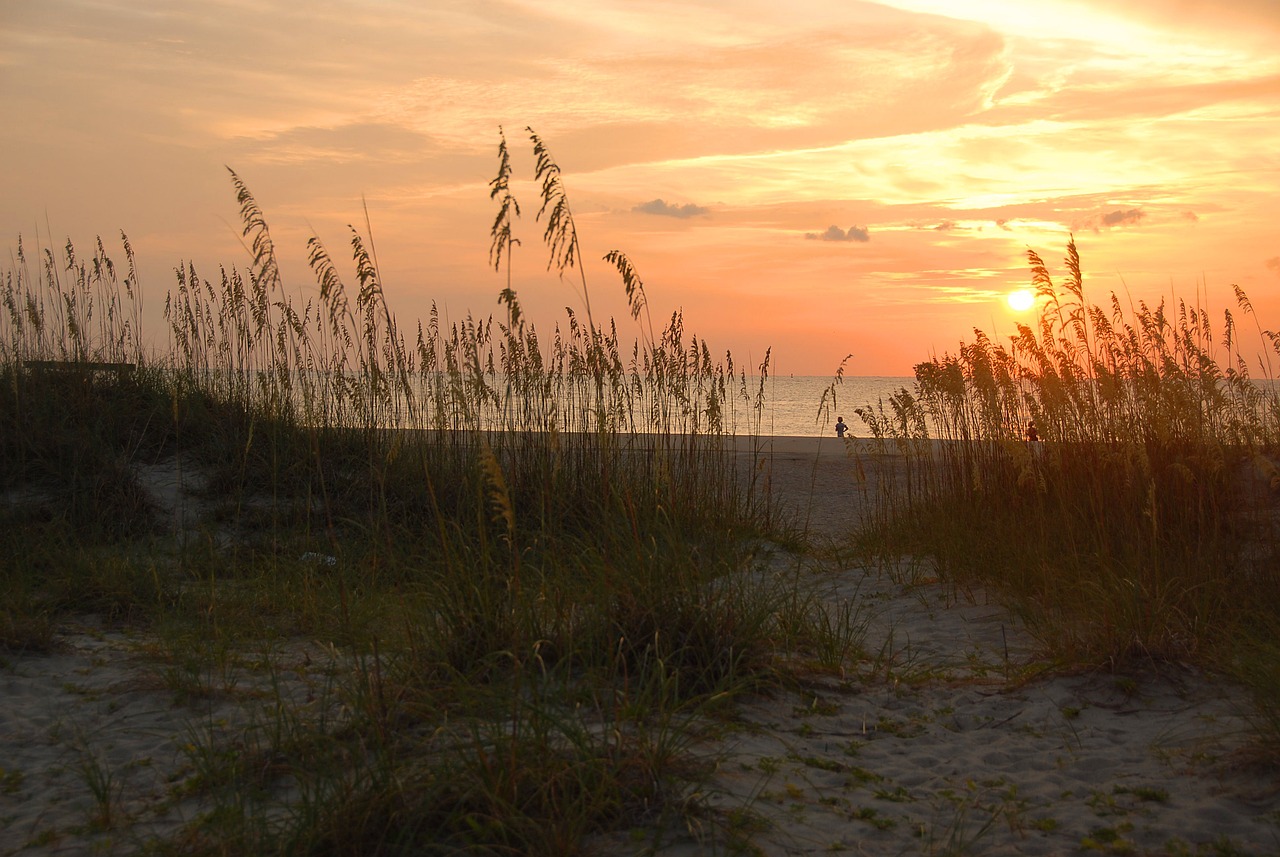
<point x="822" y="178"/>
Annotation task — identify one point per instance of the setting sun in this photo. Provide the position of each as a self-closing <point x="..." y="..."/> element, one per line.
<point x="1021" y="300"/>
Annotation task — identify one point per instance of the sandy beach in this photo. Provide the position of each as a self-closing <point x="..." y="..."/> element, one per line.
<point x="945" y="736"/>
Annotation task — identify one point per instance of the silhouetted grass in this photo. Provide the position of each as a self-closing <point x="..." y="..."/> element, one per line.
<point x="1142" y="526"/>
<point x="522" y="546"/>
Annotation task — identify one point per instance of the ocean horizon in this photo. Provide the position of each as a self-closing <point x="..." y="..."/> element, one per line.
<point x="794" y="403"/>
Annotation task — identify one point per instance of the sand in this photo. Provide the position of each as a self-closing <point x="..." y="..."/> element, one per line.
<point x="940" y="740"/>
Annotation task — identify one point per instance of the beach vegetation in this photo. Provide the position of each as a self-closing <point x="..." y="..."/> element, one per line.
<point x="103" y="784"/>
<point x="512" y="556"/>
<point x="11" y="780"/>
<point x="872" y="816"/>
<point x="1110" y="840"/>
<point x="961" y="836"/>
<point x="1139" y="527"/>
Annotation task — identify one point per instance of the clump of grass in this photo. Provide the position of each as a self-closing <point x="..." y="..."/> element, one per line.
<point x="1136" y="529"/>
<point x="24" y="626"/>
<point x="78" y="402"/>
<point x="1257" y="664"/>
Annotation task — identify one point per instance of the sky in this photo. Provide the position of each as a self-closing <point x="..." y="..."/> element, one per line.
<point x="815" y="179"/>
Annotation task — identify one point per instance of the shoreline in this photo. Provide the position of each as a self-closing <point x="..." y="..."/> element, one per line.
<point x="791" y="446"/>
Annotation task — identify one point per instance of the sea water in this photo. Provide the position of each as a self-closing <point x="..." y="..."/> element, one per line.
<point x="791" y="406"/>
<point x="794" y="403"/>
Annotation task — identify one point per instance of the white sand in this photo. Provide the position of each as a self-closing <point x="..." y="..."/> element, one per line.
<point x="935" y="742"/>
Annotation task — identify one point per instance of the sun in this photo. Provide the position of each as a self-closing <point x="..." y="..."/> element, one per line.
<point x="1021" y="300"/>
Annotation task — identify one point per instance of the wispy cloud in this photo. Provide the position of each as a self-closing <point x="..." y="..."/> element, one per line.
<point x="666" y="209"/>
<point x="1109" y="220"/>
<point x="367" y="142"/>
<point x="835" y="233"/>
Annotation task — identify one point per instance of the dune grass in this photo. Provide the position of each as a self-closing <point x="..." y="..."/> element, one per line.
<point x="1141" y="528"/>
<point x="521" y="549"/>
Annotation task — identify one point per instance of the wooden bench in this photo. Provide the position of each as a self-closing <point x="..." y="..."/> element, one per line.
<point x="80" y="367"/>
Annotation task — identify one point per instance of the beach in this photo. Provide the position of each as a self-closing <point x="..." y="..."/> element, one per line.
<point x="945" y="733"/>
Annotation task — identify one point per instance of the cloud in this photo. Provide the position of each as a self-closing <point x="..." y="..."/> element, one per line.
<point x="835" y="233"/>
<point x="665" y="209"/>
<point x="1274" y="264"/>
<point x="945" y="226"/>
<point x="1192" y="216"/>
<point x="1118" y="217"/>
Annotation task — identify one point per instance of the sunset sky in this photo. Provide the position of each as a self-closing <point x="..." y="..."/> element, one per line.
<point x="819" y="178"/>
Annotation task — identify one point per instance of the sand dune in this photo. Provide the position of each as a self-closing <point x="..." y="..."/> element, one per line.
<point x="940" y="740"/>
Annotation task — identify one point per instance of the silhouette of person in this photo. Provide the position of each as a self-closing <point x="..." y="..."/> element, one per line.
<point x="1033" y="434"/>
<point x="841" y="427"/>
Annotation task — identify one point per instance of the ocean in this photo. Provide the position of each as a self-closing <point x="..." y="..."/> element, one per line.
<point x="793" y="405"/>
<point x="793" y="402"/>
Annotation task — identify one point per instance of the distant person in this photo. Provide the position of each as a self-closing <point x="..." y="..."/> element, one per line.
<point x="1033" y="434"/>
<point x="841" y="427"/>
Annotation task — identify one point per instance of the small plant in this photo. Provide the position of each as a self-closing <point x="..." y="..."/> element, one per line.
<point x="11" y="780"/>
<point x="897" y="794"/>
<point x="959" y="837"/>
<point x="1148" y="794"/>
<point x="872" y="817"/>
<point x="1104" y="804"/>
<point x="820" y="763"/>
<point x="860" y="776"/>
<point x="817" y="707"/>
<point x="1109" y="840"/>
<point x="103" y="787"/>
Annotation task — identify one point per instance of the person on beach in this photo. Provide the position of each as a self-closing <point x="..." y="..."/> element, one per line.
<point x="841" y="427"/>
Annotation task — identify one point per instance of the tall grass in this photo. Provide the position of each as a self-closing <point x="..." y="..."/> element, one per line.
<point x="524" y="544"/>
<point x="1141" y="526"/>
<point x="341" y="364"/>
<point x="71" y="329"/>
